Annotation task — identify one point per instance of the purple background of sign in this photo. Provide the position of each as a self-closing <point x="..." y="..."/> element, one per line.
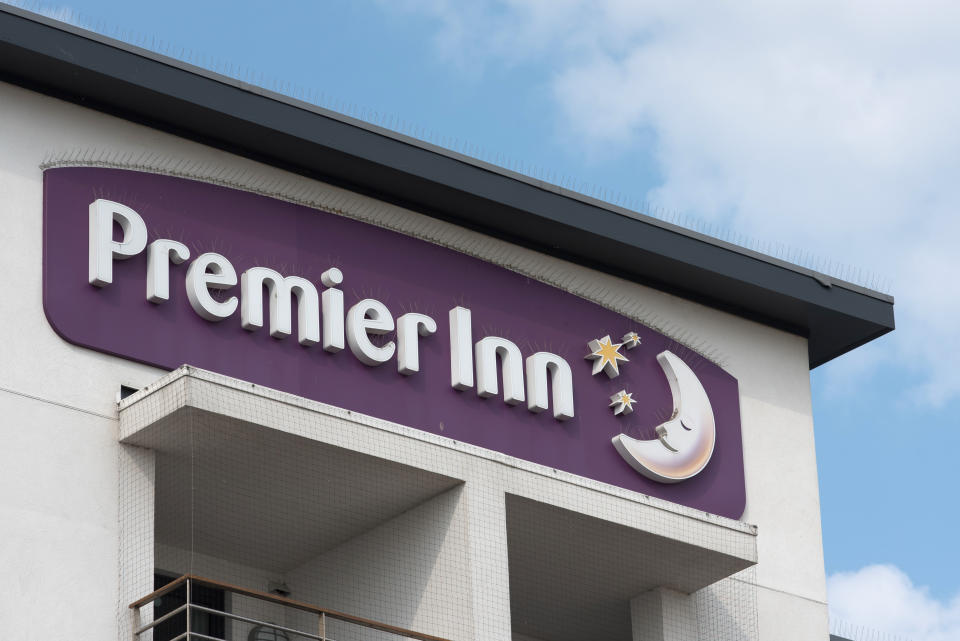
<point x="406" y="274"/>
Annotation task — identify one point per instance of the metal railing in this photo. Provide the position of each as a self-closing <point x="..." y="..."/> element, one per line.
<point x="189" y="608"/>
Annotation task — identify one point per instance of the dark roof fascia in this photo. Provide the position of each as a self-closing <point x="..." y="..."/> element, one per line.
<point x="139" y="85"/>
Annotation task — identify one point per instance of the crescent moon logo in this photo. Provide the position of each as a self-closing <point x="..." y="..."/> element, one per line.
<point x="685" y="443"/>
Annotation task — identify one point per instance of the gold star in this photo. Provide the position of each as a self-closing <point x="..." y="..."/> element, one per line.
<point x="605" y="353"/>
<point x="622" y="402"/>
<point x="630" y="340"/>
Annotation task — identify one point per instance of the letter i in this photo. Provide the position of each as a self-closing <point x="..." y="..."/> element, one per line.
<point x="333" y="338"/>
<point x="461" y="349"/>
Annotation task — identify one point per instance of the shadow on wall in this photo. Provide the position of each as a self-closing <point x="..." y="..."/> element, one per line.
<point x="412" y="571"/>
<point x="255" y="507"/>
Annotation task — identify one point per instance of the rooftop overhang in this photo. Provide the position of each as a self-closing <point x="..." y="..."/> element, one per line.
<point x="160" y="92"/>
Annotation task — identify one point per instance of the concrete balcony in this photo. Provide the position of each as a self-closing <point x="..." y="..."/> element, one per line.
<point x="256" y="488"/>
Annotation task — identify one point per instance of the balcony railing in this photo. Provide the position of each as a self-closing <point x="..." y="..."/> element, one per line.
<point x="192" y="611"/>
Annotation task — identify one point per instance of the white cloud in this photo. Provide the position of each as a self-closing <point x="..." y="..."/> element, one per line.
<point x="829" y="126"/>
<point x="882" y="598"/>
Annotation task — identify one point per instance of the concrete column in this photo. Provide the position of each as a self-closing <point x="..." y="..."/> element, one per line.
<point x="664" y="615"/>
<point x="137" y="493"/>
<point x="487" y="541"/>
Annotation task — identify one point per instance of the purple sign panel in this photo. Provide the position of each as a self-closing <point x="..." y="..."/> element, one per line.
<point x="168" y="271"/>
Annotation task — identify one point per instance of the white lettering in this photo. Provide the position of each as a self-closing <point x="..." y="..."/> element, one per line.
<point x="332" y="310"/>
<point x="160" y="253"/>
<point x="409" y="329"/>
<point x="369" y="317"/>
<point x="543" y="378"/>
<point x="281" y="324"/>
<point x="487" y="351"/>
<point x="103" y="249"/>
<point x="461" y="349"/>
<point x="562" y="379"/>
<point x="211" y="271"/>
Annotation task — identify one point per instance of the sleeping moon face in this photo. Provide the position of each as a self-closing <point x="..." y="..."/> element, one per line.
<point x="685" y="442"/>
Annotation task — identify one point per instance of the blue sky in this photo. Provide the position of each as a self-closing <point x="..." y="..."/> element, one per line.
<point x="828" y="129"/>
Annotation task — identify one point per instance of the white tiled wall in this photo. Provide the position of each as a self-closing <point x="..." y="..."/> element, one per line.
<point x="58" y="467"/>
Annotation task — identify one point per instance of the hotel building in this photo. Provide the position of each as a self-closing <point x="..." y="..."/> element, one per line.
<point x="270" y="372"/>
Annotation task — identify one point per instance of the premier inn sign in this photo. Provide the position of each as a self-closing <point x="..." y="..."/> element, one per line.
<point x="167" y="271"/>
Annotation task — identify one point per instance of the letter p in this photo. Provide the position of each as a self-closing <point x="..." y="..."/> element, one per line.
<point x="103" y="248"/>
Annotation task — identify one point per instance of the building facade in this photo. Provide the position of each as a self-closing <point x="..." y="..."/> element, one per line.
<point x="354" y="386"/>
